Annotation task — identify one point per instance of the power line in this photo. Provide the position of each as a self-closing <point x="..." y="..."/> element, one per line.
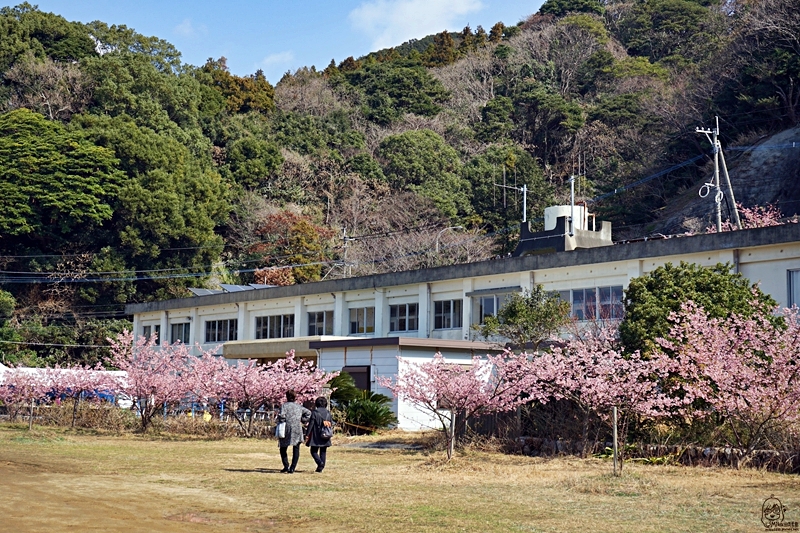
<point x="648" y="178"/>
<point x="46" y="344"/>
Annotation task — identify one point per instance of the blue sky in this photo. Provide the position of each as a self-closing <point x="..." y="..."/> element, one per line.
<point x="277" y="36"/>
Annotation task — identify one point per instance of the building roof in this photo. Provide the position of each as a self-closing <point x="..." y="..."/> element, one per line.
<point x="676" y="245"/>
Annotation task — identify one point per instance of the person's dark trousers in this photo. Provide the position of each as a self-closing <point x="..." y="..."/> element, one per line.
<point x="285" y="458"/>
<point x="318" y="453"/>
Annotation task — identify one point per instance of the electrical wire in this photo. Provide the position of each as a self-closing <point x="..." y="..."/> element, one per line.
<point x="55" y="345"/>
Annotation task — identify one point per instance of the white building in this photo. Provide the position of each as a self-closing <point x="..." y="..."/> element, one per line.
<point x="364" y="324"/>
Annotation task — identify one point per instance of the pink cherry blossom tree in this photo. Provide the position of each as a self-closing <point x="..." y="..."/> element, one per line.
<point x="754" y="217"/>
<point x="243" y="392"/>
<point x="301" y="376"/>
<point x="593" y="373"/>
<point x="251" y="386"/>
<point x="209" y="380"/>
<point x="744" y="370"/>
<point x="451" y="392"/>
<point x="156" y="375"/>
<point x="82" y="382"/>
<point x="22" y="387"/>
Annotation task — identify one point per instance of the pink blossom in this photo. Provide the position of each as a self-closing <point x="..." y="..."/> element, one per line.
<point x="754" y="217"/>
<point x="155" y="374"/>
<point x="449" y="391"/>
<point x="24" y="387"/>
<point x="744" y="370"/>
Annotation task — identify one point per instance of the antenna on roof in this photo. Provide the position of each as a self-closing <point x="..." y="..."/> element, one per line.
<point x="524" y="191"/>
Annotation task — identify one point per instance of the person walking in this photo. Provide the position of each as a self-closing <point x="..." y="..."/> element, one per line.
<point x="294" y="415"/>
<point x="316" y="436"/>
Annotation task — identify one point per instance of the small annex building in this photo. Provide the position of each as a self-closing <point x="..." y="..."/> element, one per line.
<point x="367" y="325"/>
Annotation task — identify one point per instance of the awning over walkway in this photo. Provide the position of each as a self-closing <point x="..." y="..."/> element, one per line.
<point x="265" y="350"/>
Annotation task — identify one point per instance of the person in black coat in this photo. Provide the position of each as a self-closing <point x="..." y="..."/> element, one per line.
<point x="320" y="417"/>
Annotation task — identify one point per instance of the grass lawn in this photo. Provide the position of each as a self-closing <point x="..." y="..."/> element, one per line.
<point x="54" y="480"/>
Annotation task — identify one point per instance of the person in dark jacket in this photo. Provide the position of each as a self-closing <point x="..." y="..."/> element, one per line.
<point x="295" y="415"/>
<point x="320" y="417"/>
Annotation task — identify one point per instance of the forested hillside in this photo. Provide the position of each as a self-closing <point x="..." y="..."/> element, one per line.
<point x="127" y="175"/>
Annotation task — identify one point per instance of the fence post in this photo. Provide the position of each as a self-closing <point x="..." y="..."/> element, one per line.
<point x="616" y="447"/>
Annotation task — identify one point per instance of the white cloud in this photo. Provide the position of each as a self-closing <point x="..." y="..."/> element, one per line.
<point x="277" y="59"/>
<point x="187" y="29"/>
<point x="392" y="22"/>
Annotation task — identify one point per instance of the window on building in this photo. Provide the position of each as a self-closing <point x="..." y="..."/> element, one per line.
<point x="180" y="332"/>
<point x="147" y="331"/>
<point x="794" y="288"/>
<point x="447" y="314"/>
<point x="584" y="304"/>
<point x="403" y="317"/>
<point x="610" y="302"/>
<point x="275" y="326"/>
<point x="362" y="320"/>
<point x="361" y="376"/>
<point x="489" y="305"/>
<point x="604" y="303"/>
<point x="320" y="323"/>
<point x="222" y="330"/>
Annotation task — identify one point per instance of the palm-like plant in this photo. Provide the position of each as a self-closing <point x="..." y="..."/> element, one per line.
<point x="360" y="409"/>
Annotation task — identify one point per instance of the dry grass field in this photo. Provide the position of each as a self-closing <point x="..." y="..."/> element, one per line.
<point x="54" y="480"/>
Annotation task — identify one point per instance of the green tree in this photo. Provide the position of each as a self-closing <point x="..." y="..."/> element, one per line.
<point x="651" y="298"/>
<point x="7" y="305"/>
<point x="242" y="94"/>
<point x="309" y="135"/>
<point x="496" y="119"/>
<point x="466" y="42"/>
<point x="658" y="29"/>
<point x="366" y="411"/>
<point x="366" y="167"/>
<point x="441" y="52"/>
<point x="619" y="110"/>
<point x="119" y="39"/>
<point x="421" y="161"/>
<point x="596" y="73"/>
<point x="559" y="8"/>
<point x="169" y="206"/>
<point x="251" y="161"/>
<point x="528" y="319"/>
<point x="130" y="85"/>
<point x="547" y="119"/>
<point x="8" y="336"/>
<point x="393" y="89"/>
<point x="55" y="184"/>
<point x="26" y="30"/>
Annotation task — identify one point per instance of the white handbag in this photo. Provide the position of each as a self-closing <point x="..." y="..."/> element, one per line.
<point x="280" y="430"/>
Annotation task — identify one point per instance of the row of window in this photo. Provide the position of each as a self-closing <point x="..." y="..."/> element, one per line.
<point x="586" y="304"/>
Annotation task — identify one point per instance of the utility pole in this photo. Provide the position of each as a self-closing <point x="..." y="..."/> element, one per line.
<point x="730" y="188"/>
<point x="347" y="268"/>
<point x="717" y="147"/>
